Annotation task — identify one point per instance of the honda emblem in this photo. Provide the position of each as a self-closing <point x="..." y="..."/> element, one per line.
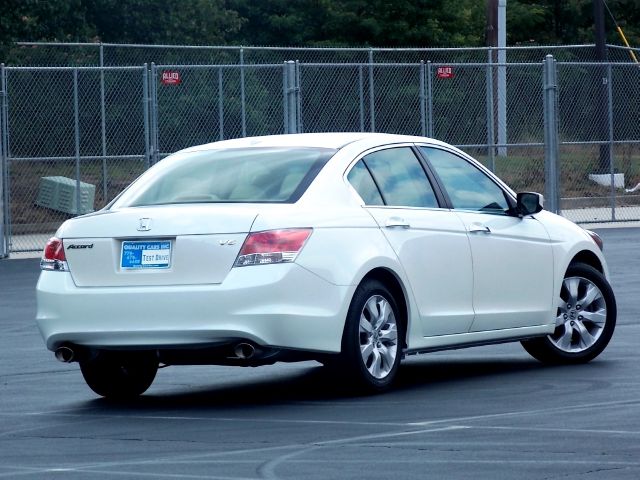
<point x="145" y="225"/>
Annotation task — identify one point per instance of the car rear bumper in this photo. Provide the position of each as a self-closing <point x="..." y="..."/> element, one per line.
<point x="282" y="306"/>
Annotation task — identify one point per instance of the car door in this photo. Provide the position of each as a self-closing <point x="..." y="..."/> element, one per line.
<point x="430" y="242"/>
<point x="512" y="256"/>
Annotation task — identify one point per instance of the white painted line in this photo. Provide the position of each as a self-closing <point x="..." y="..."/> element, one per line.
<point x="589" y="431"/>
<point x="524" y="413"/>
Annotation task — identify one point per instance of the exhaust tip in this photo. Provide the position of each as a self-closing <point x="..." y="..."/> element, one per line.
<point x="244" y="350"/>
<point x="64" y="354"/>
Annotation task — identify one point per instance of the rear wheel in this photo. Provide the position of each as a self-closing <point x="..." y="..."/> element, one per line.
<point x="372" y="339"/>
<point x="120" y="375"/>
<point x="585" y="320"/>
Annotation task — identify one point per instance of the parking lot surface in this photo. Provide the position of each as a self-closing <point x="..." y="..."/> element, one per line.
<point x="488" y="412"/>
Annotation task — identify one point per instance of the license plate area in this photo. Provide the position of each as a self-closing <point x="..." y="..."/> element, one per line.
<point x="145" y="255"/>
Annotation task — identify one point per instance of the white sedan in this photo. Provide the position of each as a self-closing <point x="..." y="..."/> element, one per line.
<point x="353" y="249"/>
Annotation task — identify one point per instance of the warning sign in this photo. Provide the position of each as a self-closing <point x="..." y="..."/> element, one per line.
<point x="171" y="77"/>
<point x="445" y="72"/>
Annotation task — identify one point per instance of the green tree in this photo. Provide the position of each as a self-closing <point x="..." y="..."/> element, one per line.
<point x="34" y="20"/>
<point x="198" y="22"/>
<point x="569" y="21"/>
<point x="398" y="23"/>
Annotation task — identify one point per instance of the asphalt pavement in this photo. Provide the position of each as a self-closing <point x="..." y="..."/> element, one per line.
<point x="482" y="413"/>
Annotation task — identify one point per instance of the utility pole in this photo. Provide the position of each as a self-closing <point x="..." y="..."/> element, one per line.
<point x="601" y="94"/>
<point x="496" y="34"/>
<point x="492" y="24"/>
<point x="502" y="77"/>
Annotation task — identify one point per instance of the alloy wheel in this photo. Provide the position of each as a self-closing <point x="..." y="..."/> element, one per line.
<point x="582" y="315"/>
<point x="378" y="336"/>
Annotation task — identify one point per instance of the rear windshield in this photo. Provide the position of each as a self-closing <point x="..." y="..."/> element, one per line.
<point x="242" y="175"/>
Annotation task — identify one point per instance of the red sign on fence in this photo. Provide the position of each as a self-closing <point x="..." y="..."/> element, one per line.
<point x="445" y="72"/>
<point x="171" y="77"/>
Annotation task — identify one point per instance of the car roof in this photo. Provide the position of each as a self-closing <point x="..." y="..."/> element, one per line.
<point x="335" y="140"/>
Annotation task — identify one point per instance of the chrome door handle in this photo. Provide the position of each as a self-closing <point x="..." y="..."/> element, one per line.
<point x="397" y="222"/>
<point x="478" y="228"/>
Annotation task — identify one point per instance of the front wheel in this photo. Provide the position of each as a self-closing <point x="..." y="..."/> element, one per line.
<point x="120" y="375"/>
<point x="372" y="340"/>
<point x="586" y="318"/>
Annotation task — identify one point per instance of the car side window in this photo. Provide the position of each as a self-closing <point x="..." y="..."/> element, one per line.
<point x="468" y="187"/>
<point x="400" y="177"/>
<point x="360" y="179"/>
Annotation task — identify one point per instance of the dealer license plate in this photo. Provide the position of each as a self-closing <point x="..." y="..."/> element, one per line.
<point x="145" y="254"/>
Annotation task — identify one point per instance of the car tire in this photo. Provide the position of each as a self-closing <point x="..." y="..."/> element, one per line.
<point x="372" y="340"/>
<point x="120" y="375"/>
<point x="585" y="319"/>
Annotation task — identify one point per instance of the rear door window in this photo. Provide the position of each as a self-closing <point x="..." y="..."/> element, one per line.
<point x="400" y="178"/>
<point x="361" y="180"/>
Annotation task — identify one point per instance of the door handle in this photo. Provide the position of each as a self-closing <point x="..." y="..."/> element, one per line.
<point x="397" y="222"/>
<point x="479" y="228"/>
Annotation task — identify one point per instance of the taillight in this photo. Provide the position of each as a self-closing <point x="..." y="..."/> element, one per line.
<point x="53" y="257"/>
<point x="272" y="246"/>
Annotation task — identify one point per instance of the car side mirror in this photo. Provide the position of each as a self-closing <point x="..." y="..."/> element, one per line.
<point x="529" y="203"/>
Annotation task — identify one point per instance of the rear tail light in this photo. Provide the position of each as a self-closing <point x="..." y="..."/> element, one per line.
<point x="272" y="246"/>
<point x="53" y="257"/>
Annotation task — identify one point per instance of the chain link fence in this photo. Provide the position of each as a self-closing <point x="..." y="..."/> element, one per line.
<point x="568" y="129"/>
<point x="85" y="124"/>
<point x="109" y="54"/>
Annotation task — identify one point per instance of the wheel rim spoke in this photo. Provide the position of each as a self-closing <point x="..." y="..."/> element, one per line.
<point x="566" y="339"/>
<point x="598" y="318"/>
<point x="572" y="287"/>
<point x="376" y="364"/>
<point x="372" y="308"/>
<point x="384" y="311"/>
<point x="389" y="336"/>
<point x="366" y="350"/>
<point x="592" y="294"/>
<point x="586" y="339"/>
<point x="365" y="325"/>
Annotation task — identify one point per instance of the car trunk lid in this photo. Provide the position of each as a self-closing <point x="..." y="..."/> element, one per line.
<point x="161" y="245"/>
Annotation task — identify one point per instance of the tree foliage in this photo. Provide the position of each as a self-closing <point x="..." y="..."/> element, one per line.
<point x="390" y="23"/>
<point x="191" y="22"/>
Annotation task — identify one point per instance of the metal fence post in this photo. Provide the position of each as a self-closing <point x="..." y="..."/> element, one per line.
<point x="289" y="94"/>
<point x="372" y="104"/>
<point x="8" y="231"/>
<point x="423" y="113"/>
<point x="145" y="115"/>
<point x="610" y="131"/>
<point x="298" y="99"/>
<point x="154" y="135"/>
<point x="491" y="151"/>
<point x="361" y="97"/>
<point x="243" y="106"/>
<point x="220" y="105"/>
<point x="4" y="201"/>
<point x="502" y="96"/>
<point x="551" y="173"/>
<point x="429" y="100"/>
<point x="76" y="134"/>
<point x="285" y="99"/>
<point x="103" y="127"/>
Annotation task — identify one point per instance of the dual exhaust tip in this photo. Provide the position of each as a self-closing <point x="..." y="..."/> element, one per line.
<point x="65" y="354"/>
<point x="244" y="351"/>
